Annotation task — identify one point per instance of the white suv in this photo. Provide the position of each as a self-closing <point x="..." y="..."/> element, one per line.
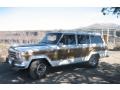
<point x="56" y="49"/>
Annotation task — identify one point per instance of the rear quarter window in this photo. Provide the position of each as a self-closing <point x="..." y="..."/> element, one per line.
<point x="96" y="39"/>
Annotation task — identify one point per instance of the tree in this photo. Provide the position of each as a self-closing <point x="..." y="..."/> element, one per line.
<point x="111" y="10"/>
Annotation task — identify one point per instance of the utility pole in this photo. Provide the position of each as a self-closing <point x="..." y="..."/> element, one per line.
<point x="102" y="32"/>
<point x="108" y="32"/>
<point x="114" y="35"/>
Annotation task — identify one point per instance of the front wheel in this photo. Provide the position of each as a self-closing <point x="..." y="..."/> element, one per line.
<point x="93" y="61"/>
<point x="37" y="69"/>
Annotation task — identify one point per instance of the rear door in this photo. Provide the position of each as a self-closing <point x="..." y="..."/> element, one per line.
<point x="83" y="46"/>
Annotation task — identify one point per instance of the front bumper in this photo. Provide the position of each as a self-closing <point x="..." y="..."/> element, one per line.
<point x="15" y="64"/>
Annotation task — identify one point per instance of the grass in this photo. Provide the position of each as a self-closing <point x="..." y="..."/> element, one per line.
<point x="3" y="51"/>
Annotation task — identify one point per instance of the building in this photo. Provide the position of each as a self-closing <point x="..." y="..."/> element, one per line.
<point x="21" y="37"/>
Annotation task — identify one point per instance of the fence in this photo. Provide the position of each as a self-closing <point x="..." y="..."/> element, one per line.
<point x="21" y="37"/>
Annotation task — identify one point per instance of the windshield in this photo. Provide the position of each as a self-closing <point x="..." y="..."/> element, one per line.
<point x="51" y="38"/>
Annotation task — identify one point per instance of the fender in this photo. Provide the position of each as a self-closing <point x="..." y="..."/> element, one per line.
<point x="91" y="53"/>
<point x="39" y="57"/>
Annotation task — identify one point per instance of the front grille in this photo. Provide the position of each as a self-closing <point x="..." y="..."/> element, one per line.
<point x="12" y="54"/>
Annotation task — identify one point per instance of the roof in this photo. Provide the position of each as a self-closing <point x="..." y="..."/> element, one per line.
<point x="75" y="32"/>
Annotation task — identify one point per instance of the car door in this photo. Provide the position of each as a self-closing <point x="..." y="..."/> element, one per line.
<point x="83" y="46"/>
<point x="67" y="47"/>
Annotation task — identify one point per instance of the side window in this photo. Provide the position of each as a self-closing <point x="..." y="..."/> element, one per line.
<point x="83" y="39"/>
<point x="68" y="40"/>
<point x="63" y="40"/>
<point x="96" y="39"/>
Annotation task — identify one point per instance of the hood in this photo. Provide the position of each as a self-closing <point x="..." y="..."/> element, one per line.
<point x="34" y="47"/>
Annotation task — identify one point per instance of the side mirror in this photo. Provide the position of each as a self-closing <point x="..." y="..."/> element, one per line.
<point x="60" y="44"/>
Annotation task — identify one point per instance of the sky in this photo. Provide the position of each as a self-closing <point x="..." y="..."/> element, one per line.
<point x="51" y="18"/>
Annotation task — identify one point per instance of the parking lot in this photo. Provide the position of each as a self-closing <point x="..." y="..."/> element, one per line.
<point x="108" y="71"/>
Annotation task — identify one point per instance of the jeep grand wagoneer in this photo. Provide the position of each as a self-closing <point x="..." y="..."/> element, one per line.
<point x="56" y="49"/>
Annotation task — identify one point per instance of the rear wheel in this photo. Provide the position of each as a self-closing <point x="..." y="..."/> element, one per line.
<point x="37" y="69"/>
<point x="93" y="61"/>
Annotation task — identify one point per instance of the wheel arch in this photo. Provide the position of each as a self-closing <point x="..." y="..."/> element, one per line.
<point x="92" y="53"/>
<point x="48" y="62"/>
<point x="97" y="54"/>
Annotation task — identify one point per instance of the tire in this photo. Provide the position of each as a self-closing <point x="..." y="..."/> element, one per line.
<point x="37" y="69"/>
<point x="93" y="61"/>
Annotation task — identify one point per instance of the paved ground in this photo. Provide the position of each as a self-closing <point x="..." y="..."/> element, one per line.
<point x="108" y="71"/>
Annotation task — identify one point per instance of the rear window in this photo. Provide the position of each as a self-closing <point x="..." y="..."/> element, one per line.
<point x="96" y="39"/>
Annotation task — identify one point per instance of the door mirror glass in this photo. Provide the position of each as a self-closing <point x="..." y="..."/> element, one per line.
<point x="60" y="44"/>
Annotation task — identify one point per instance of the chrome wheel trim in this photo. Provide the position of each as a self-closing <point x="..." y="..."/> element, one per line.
<point x="93" y="61"/>
<point x="41" y="69"/>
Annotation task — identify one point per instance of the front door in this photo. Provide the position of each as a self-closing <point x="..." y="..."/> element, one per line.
<point x="67" y="47"/>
